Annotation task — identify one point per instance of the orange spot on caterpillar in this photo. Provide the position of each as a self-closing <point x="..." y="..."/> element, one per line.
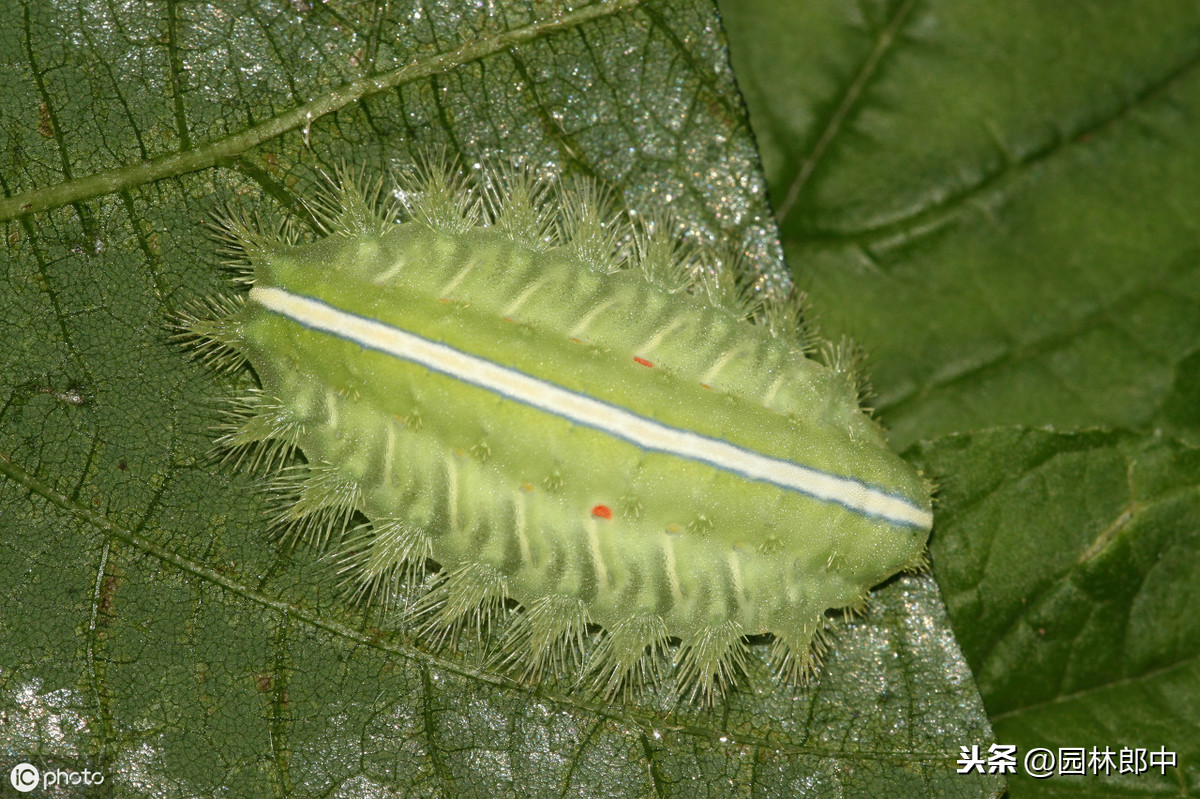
<point x="602" y="512"/>
<point x="508" y="319"/>
<point x="527" y="487"/>
<point x="643" y="362"/>
<point x="706" y="385"/>
<point x="577" y="341"/>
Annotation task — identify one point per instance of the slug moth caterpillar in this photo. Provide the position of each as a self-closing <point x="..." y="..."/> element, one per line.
<point x="564" y="410"/>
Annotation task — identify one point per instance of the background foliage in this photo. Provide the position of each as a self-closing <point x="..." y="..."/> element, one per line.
<point x="996" y="204"/>
<point x="1000" y="202"/>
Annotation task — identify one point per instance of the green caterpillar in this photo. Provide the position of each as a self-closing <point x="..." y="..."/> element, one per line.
<point x="563" y="408"/>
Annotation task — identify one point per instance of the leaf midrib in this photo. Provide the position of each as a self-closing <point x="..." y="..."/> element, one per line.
<point x="301" y="117"/>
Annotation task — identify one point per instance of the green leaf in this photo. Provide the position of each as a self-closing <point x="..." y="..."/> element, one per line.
<point x="999" y="202"/>
<point x="151" y="630"/>
<point x="1070" y="564"/>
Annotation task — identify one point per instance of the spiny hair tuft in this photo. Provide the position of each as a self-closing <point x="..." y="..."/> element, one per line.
<point x="208" y="329"/>
<point x="630" y="656"/>
<point x="351" y="204"/>
<point x="375" y="559"/>
<point x="549" y="637"/>
<point x="712" y="660"/>
<point x="314" y="502"/>
<point x="468" y="599"/>
<point x="258" y="430"/>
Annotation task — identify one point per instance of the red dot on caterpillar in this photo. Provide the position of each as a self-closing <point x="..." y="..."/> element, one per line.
<point x="602" y="512"/>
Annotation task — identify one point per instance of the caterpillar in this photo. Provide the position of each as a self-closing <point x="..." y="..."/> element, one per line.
<point x="581" y="435"/>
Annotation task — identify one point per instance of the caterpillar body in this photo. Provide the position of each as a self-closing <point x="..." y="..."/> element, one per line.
<point x="565" y="410"/>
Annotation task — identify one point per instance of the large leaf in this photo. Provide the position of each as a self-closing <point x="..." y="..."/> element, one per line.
<point x="1071" y="567"/>
<point x="1000" y="201"/>
<point x="151" y="629"/>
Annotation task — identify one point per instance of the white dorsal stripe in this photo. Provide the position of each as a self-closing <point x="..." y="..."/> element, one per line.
<point x="581" y="409"/>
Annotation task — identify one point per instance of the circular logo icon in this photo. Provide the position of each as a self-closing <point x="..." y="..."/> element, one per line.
<point x="24" y="777"/>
